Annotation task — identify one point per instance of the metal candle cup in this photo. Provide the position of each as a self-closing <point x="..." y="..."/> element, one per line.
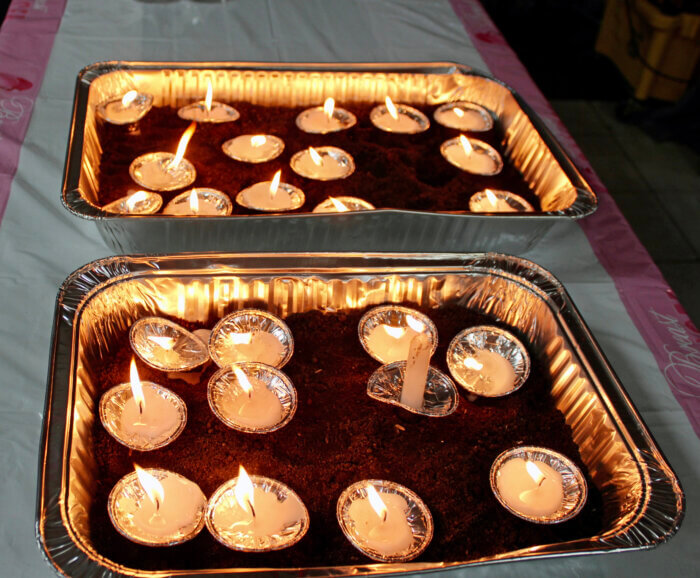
<point x="177" y="516"/>
<point x="126" y="109"/>
<point x="498" y="202"/>
<point x="323" y="163"/>
<point x="325" y="119"/>
<point x="464" y="116"/>
<point x="208" y="110"/>
<point x="200" y="201"/>
<point x="166" y="346"/>
<point x="472" y="156"/>
<point x="405" y="120"/>
<point x="271" y="196"/>
<point x="156" y="171"/>
<point x="343" y="204"/>
<point x="400" y="532"/>
<point x="138" y="203"/>
<point x="253" y="148"/>
<point x="519" y="492"/>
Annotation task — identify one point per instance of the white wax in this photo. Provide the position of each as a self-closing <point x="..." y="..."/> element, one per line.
<point x="496" y="377"/>
<point x="521" y="492"/>
<point x="388" y="347"/>
<point x="262" y="409"/>
<point x="258" y="196"/>
<point x="316" y="120"/>
<point x="484" y="205"/>
<point x="478" y="161"/>
<point x="206" y="206"/>
<point x="392" y="536"/>
<point x="271" y="515"/>
<point x="330" y="167"/>
<point x="264" y="347"/>
<point x="219" y="112"/>
<point x="159" y="416"/>
<point x="180" y="507"/>
<point x="416" y="374"/>
<point x="471" y="119"/>
<point x="156" y="173"/>
<point x="243" y="149"/>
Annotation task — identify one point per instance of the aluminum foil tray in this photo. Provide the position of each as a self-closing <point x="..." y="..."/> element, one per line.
<point x="643" y="501"/>
<point x="528" y="145"/>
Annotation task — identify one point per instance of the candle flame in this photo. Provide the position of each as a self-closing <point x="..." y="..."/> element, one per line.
<point x="162" y="341"/>
<point x="329" y="107"/>
<point x="194" y="202"/>
<point x="339" y="205"/>
<point x="415" y="324"/>
<point x="466" y="145"/>
<point x="258" y="140"/>
<point x="395" y="332"/>
<point x="182" y="145"/>
<point x="491" y="197"/>
<point x="315" y="157"/>
<point x="391" y="108"/>
<point x="535" y="473"/>
<point x="458" y="111"/>
<point x="377" y="503"/>
<point x="137" y="197"/>
<point x="152" y="487"/>
<point x="472" y="363"/>
<point x="275" y="183"/>
<point x="243" y="381"/>
<point x="208" y="98"/>
<point x="241" y="338"/>
<point x="129" y="97"/>
<point x="243" y="491"/>
<point x="136" y="388"/>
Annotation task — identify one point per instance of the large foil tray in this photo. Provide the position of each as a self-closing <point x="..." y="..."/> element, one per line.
<point x="528" y="145"/>
<point x="642" y="499"/>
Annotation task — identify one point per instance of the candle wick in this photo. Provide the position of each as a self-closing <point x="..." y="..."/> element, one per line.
<point x="542" y="479"/>
<point x="140" y="407"/>
<point x="250" y="505"/>
<point x="384" y="515"/>
<point x="157" y="504"/>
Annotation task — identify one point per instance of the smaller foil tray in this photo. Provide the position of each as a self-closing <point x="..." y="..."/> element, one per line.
<point x="527" y="144"/>
<point x="643" y="502"/>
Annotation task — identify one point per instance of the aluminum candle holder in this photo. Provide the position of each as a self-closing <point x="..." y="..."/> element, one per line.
<point x="259" y="198"/>
<point x="251" y="335"/>
<point x="469" y="343"/>
<point x="128" y="497"/>
<point x="464" y="116"/>
<point x="154" y="171"/>
<point x="383" y="120"/>
<point x="439" y="400"/>
<point x="332" y="163"/>
<point x="209" y="203"/>
<point x="575" y="489"/>
<point x="223" y="504"/>
<point x="253" y="148"/>
<point x="115" y="111"/>
<point x="483" y="159"/>
<point x="111" y="411"/>
<point x="165" y="345"/>
<point x="225" y="393"/>
<point x="198" y="112"/>
<point x="385" y="332"/>
<point x="418" y="517"/>
<point x="316" y="121"/>
<point x="343" y="204"/>
<point x="138" y="203"/>
<point x="505" y="201"/>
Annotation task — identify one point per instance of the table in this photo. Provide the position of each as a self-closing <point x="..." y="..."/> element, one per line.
<point x="649" y="340"/>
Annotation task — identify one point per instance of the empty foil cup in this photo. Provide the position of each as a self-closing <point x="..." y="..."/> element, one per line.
<point x="164" y="345"/>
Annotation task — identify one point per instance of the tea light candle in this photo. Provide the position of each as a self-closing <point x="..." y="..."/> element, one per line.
<point x="399" y="118"/>
<point x="164" y="171"/>
<point x="142" y="416"/>
<point x="472" y="155"/>
<point x="201" y="201"/>
<point x="157" y="507"/>
<point x="208" y="110"/>
<point x="254" y="148"/>
<point x="252" y="397"/>
<point x="138" y="203"/>
<point x="416" y="376"/>
<point x="271" y="196"/>
<point x="385" y="521"/>
<point x="538" y="484"/>
<point x="490" y="373"/>
<point x="466" y="116"/>
<point x="386" y="332"/>
<point x="342" y="205"/>
<point x="323" y="163"/>
<point x="131" y="107"/>
<point x="497" y="201"/>
<point x="325" y="119"/>
<point x="166" y="346"/>
<point x="256" y="514"/>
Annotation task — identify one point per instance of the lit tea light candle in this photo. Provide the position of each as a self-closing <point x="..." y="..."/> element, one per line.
<point x="164" y="171"/>
<point x="157" y="507"/>
<point x="323" y="163"/>
<point x="472" y="155"/>
<point x="488" y="361"/>
<point x="271" y="196"/>
<point x="386" y="332"/>
<point x="497" y="201"/>
<point x="538" y="484"/>
<point x="252" y="397"/>
<point x="325" y="119"/>
<point x="398" y="118"/>
<point x="466" y="116"/>
<point x="201" y="201"/>
<point x="138" y="203"/>
<point x="385" y="521"/>
<point x="416" y="375"/>
<point x="251" y="335"/>
<point x="254" y="148"/>
<point x="142" y="415"/>
<point x="256" y="514"/>
<point x="342" y="205"/>
<point x="208" y="110"/>
<point x="166" y="346"/>
<point x="131" y="107"/>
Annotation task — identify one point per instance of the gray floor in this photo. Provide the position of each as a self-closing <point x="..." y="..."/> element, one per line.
<point x="656" y="185"/>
